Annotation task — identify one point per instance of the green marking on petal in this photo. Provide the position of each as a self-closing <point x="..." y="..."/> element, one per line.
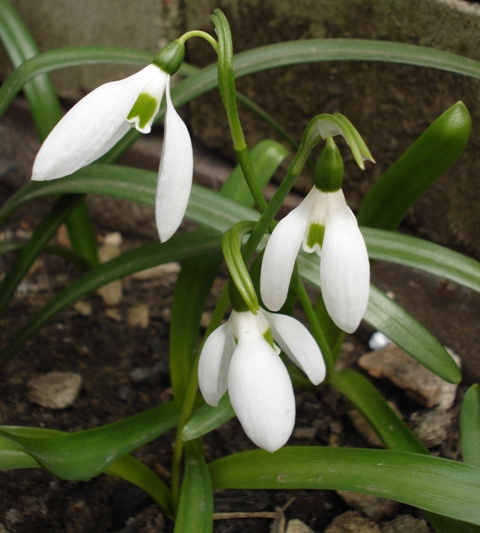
<point x="143" y="111"/>
<point x="316" y="232"/>
<point x="268" y="336"/>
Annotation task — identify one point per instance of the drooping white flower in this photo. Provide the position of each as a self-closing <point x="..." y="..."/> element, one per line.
<point x="98" y="121"/>
<point x="324" y="224"/>
<point x="241" y="356"/>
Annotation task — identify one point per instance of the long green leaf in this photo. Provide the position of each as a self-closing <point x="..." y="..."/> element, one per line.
<point x="208" y="418"/>
<point x="46" y="111"/>
<point x="437" y="485"/>
<point x="85" y="454"/>
<point x="43" y="233"/>
<point x="195" y="509"/>
<point x="20" y="46"/>
<point x="389" y="199"/>
<point x="127" y="468"/>
<point x="389" y="427"/>
<point x="425" y="255"/>
<point x="470" y="426"/>
<point x="400" y="327"/>
<point x="132" y="470"/>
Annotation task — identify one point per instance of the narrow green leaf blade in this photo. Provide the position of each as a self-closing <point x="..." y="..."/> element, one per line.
<point x="425" y="255"/>
<point x="85" y="454"/>
<point x="470" y="426"/>
<point x="430" y="483"/>
<point x="389" y="199"/>
<point x="41" y="236"/>
<point x="394" y="433"/>
<point x="207" y="418"/>
<point x="135" y="472"/>
<point x="195" y="509"/>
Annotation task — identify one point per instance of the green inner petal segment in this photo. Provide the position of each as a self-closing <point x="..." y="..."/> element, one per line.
<point x="268" y="336"/>
<point x="316" y="232"/>
<point x="143" y="111"/>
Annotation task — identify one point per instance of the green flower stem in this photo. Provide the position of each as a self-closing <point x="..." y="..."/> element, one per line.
<point x="202" y="35"/>
<point x="226" y="85"/>
<point x="191" y="393"/>
<point x="317" y="331"/>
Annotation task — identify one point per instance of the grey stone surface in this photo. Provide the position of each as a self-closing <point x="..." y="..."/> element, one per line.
<point x="417" y="381"/>
<point x="147" y="25"/>
<point x="352" y="522"/>
<point x="372" y="506"/>
<point x="405" y="523"/>
<point x="55" y="390"/>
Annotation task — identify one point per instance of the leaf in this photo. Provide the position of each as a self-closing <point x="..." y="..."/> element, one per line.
<point x="394" y="433"/>
<point x="430" y="483"/>
<point x="208" y="418"/>
<point x="401" y="328"/>
<point x="127" y="468"/>
<point x="195" y="509"/>
<point x="31" y="250"/>
<point x="389" y="199"/>
<point x="85" y="454"/>
<point x="425" y="255"/>
<point x="470" y="426"/>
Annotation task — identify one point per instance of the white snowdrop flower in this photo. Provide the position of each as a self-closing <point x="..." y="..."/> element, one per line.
<point x="241" y="356"/>
<point x="98" y="121"/>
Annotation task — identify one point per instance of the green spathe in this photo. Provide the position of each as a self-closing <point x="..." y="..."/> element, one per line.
<point x="170" y="58"/>
<point x="328" y="173"/>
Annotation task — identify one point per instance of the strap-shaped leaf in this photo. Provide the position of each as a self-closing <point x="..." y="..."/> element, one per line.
<point x="470" y="426"/>
<point x="85" y="454"/>
<point x="389" y="199"/>
<point x="438" y="485"/>
<point x="195" y="509"/>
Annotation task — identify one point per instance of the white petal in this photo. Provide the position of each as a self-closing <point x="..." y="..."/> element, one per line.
<point x="175" y="173"/>
<point x="90" y="128"/>
<point x="344" y="267"/>
<point x="280" y="254"/>
<point x="260" y="389"/>
<point x="297" y="342"/>
<point x="214" y="362"/>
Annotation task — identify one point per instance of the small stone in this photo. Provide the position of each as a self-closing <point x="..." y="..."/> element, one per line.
<point x="3" y="529"/>
<point x="139" y="315"/>
<point x="114" y="314"/>
<point x="55" y="390"/>
<point x="156" y="272"/>
<point x="124" y="392"/>
<point x="297" y="526"/>
<point x="418" y="382"/>
<point x="84" y="308"/>
<point x="352" y="522"/>
<point x="305" y="433"/>
<point x="372" y="506"/>
<point x="431" y="427"/>
<point x="113" y="239"/>
<point x="111" y="293"/>
<point x="14" y="516"/>
<point x="405" y="523"/>
<point x="62" y="236"/>
<point x="144" y="376"/>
